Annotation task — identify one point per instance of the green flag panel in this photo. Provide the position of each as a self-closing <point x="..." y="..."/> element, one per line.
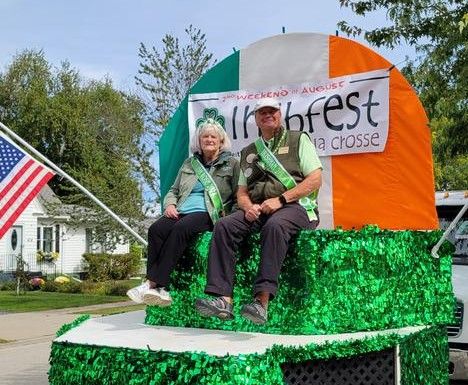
<point x="174" y="143"/>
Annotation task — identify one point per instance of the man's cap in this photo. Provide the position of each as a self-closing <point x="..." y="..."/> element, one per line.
<point x="267" y="102"/>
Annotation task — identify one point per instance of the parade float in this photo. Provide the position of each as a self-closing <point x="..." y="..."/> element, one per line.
<point x="361" y="300"/>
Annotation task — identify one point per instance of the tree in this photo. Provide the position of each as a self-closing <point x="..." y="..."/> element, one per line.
<point x="21" y="274"/>
<point x="436" y="28"/>
<point x="89" y="129"/>
<point x="166" y="75"/>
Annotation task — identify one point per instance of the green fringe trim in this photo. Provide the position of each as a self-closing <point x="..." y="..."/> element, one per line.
<point x="424" y="361"/>
<point x="332" y="281"/>
<point x="66" y="327"/>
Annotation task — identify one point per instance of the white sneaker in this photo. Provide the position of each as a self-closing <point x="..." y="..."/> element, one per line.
<point x="158" y="297"/>
<point x="136" y="294"/>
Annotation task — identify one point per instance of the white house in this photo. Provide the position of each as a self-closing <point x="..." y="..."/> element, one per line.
<point x="37" y="230"/>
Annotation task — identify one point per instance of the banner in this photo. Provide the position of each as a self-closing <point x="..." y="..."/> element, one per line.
<point x="343" y="115"/>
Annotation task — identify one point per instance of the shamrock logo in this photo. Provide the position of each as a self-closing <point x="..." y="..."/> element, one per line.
<point x="210" y="115"/>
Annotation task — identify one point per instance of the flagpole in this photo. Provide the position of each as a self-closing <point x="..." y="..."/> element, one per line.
<point x="65" y="175"/>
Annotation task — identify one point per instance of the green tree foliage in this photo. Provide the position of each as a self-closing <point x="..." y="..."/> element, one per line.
<point x="167" y="74"/>
<point x="165" y="77"/>
<point x="89" y="129"/>
<point x="437" y="29"/>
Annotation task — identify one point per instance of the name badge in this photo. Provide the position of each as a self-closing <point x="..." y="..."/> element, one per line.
<point x="283" y="150"/>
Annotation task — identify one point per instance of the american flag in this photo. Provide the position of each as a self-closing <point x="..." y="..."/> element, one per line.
<point x="21" y="179"/>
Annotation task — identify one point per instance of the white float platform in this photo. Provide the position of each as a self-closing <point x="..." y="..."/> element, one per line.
<point x="128" y="330"/>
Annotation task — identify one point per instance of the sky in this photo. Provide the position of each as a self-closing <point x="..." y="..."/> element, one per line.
<point x="101" y="37"/>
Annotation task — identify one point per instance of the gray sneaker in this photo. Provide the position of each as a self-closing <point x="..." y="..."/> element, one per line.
<point x="214" y="307"/>
<point x="255" y="312"/>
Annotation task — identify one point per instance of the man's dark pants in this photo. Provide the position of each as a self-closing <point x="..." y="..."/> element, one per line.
<point x="276" y="231"/>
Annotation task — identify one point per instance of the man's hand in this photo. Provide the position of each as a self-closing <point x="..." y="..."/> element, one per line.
<point x="253" y="213"/>
<point x="271" y="205"/>
<point x="171" y="212"/>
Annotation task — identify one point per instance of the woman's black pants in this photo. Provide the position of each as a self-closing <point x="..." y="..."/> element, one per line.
<point x="167" y="241"/>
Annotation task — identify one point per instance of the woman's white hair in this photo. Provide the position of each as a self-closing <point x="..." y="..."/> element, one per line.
<point x="210" y="125"/>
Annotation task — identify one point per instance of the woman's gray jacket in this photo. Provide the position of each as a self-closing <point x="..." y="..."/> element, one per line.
<point x="225" y="173"/>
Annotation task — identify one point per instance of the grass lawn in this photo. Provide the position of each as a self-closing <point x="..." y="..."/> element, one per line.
<point x="37" y="300"/>
<point x="115" y="310"/>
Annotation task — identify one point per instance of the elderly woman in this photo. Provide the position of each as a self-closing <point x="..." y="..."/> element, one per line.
<point x="204" y="190"/>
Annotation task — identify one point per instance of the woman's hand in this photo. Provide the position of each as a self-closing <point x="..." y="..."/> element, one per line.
<point x="171" y="212"/>
<point x="253" y="213"/>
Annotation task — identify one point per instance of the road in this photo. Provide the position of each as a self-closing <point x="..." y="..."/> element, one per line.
<point x="24" y="359"/>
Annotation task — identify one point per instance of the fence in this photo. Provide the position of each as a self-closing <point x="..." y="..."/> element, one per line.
<point x="8" y="263"/>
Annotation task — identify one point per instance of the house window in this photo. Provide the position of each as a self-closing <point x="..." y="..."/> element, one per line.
<point x="14" y="239"/>
<point x="57" y="238"/>
<point x="89" y="240"/>
<point x="48" y="238"/>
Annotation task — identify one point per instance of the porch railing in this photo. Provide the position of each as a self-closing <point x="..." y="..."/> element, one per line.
<point x="8" y="263"/>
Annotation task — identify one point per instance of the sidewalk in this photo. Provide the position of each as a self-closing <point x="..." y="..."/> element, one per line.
<point x="22" y="327"/>
<point x="24" y="360"/>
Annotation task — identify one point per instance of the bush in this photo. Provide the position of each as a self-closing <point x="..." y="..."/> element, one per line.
<point x="106" y="288"/>
<point x="69" y="287"/>
<point x="8" y="286"/>
<point x="62" y="279"/>
<point x="105" y="267"/>
<point x="117" y="288"/>
<point x="74" y="287"/>
<point x="50" y="286"/>
<point x="96" y="288"/>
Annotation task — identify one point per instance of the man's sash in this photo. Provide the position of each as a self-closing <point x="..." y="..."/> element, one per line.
<point x="210" y="186"/>
<point x="273" y="165"/>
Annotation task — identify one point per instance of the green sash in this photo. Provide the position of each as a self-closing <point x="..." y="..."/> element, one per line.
<point x="273" y="165"/>
<point x="210" y="186"/>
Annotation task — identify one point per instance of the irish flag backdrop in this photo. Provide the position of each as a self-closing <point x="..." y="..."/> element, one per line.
<point x="376" y="174"/>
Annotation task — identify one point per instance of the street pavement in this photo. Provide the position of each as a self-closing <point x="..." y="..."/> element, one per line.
<point x="24" y="358"/>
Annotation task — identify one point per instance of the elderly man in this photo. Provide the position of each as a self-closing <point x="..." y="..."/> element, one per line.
<point x="278" y="185"/>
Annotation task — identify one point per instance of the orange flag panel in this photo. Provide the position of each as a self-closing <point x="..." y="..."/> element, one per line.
<point x="393" y="189"/>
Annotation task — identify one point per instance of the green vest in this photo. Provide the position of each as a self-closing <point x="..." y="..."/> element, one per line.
<point x="262" y="185"/>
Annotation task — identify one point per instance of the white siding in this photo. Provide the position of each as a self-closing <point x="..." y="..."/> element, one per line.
<point x="28" y="221"/>
<point x="72" y="244"/>
<point x="73" y="248"/>
<point x="122" y="248"/>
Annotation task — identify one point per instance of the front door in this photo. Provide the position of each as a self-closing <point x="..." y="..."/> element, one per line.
<point x="14" y="246"/>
